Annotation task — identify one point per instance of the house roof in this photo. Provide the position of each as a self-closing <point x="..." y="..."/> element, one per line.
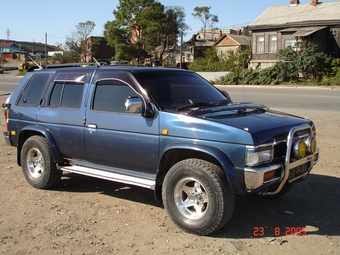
<point x="239" y="39"/>
<point x="288" y="15"/>
<point x="7" y="45"/>
<point x="303" y="31"/>
<point x="215" y="33"/>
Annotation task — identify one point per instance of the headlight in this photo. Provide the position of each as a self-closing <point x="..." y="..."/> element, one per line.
<point x="258" y="155"/>
<point x="300" y="148"/>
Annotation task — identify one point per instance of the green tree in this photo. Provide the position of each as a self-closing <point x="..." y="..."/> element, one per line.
<point x="76" y="41"/>
<point x="302" y="58"/>
<point x="203" y="14"/>
<point x="140" y="26"/>
<point x="128" y="33"/>
<point x="174" y="25"/>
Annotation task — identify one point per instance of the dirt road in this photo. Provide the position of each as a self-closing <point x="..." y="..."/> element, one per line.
<point x="84" y="215"/>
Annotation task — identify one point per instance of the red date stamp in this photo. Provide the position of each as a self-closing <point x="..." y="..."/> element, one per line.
<point x="279" y="231"/>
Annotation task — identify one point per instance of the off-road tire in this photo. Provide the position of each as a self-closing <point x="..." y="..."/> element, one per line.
<point x="37" y="164"/>
<point x="197" y="197"/>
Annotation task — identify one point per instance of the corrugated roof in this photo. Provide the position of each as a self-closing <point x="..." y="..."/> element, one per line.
<point x="280" y="15"/>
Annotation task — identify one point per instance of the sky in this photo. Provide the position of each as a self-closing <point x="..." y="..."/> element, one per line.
<point x="33" y="20"/>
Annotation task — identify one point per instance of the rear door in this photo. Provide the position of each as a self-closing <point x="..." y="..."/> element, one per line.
<point x="117" y="138"/>
<point x="63" y="112"/>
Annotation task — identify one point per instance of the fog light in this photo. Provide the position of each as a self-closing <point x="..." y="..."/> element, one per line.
<point x="311" y="144"/>
<point x="300" y="148"/>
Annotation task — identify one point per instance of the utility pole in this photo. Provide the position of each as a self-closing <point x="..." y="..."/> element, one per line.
<point x="180" y="51"/>
<point x="45" y="49"/>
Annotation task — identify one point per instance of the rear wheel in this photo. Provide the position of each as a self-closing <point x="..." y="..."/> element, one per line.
<point x="197" y="196"/>
<point x="37" y="164"/>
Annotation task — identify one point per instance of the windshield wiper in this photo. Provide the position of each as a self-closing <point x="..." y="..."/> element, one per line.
<point x="194" y="105"/>
<point x="225" y="101"/>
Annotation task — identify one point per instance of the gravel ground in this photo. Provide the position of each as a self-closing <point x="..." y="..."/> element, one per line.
<point x="84" y="215"/>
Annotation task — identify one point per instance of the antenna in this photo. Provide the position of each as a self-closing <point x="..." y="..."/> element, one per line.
<point x="35" y="62"/>
<point x="96" y="61"/>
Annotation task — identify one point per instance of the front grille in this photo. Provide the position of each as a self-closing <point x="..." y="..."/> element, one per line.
<point x="280" y="150"/>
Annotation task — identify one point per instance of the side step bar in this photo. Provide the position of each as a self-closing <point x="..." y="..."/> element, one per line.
<point x="149" y="184"/>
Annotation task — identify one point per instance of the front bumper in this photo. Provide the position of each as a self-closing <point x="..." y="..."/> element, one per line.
<point x="254" y="177"/>
<point x="288" y="171"/>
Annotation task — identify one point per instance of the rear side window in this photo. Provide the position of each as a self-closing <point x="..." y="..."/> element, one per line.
<point x="33" y="91"/>
<point x="110" y="96"/>
<point x="66" y="95"/>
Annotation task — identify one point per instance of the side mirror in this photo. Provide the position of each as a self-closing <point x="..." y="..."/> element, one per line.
<point x="133" y="105"/>
<point x="137" y="105"/>
<point x="225" y="93"/>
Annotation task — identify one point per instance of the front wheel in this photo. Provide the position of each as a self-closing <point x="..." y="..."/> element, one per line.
<point x="197" y="196"/>
<point x="37" y="164"/>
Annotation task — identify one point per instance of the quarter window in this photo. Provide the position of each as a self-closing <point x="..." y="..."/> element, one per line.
<point x="33" y="91"/>
<point x="260" y="44"/>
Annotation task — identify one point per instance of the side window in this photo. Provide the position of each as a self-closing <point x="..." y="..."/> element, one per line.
<point x="66" y="95"/>
<point x="110" y="96"/>
<point x="33" y="90"/>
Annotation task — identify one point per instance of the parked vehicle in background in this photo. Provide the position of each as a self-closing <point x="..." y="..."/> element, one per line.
<point x="1" y="69"/>
<point x="112" y="63"/>
<point x="164" y="129"/>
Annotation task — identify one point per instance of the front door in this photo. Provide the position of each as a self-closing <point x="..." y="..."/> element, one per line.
<point x="117" y="138"/>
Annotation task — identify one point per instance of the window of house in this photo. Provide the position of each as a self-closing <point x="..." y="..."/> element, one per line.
<point x="110" y="96"/>
<point x="220" y="53"/>
<point x="33" y="90"/>
<point x="260" y="44"/>
<point x="66" y="95"/>
<point x="291" y="43"/>
<point x="272" y="43"/>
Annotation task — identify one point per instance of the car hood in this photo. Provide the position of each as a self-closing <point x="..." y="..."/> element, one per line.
<point x="259" y="120"/>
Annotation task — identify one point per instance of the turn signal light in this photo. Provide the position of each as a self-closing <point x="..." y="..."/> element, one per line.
<point x="269" y="175"/>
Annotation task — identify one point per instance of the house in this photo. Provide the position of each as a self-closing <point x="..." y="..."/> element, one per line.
<point x="232" y="42"/>
<point x="282" y="26"/>
<point x="10" y="50"/>
<point x="191" y="50"/>
<point x="97" y="47"/>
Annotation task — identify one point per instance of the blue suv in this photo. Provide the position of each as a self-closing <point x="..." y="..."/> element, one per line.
<point x="168" y="130"/>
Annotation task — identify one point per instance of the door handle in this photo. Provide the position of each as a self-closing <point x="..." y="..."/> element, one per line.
<point x="92" y="126"/>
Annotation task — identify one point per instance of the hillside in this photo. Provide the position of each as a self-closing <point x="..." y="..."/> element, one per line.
<point x="32" y="46"/>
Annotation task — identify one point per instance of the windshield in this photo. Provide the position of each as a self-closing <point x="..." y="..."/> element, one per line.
<point x="179" y="90"/>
